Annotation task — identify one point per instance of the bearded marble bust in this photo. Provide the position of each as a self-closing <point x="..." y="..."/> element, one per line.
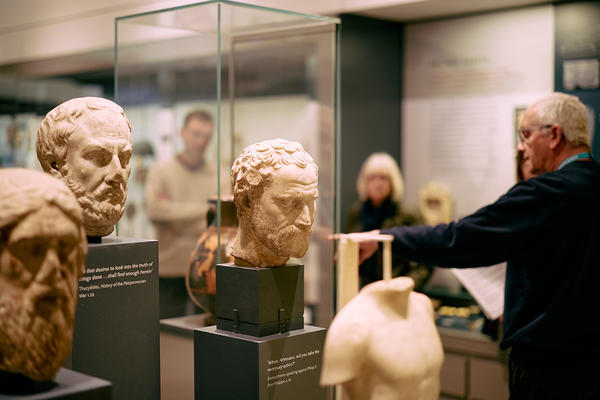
<point x="384" y="345"/>
<point x="43" y="248"/>
<point x="86" y="143"/>
<point x="275" y="191"/>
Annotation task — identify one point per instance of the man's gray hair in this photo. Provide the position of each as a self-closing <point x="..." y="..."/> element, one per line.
<point x="254" y="167"/>
<point x="569" y="113"/>
<point x="61" y="122"/>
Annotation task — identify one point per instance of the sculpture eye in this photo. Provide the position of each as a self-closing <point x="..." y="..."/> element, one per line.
<point x="65" y="247"/>
<point x="287" y="202"/>
<point x="124" y="157"/>
<point x="100" y="157"/>
<point x="30" y="252"/>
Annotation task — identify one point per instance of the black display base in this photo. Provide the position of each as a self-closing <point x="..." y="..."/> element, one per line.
<point x="67" y="384"/>
<point x="13" y="383"/>
<point x="260" y="301"/>
<point x="94" y="239"/>
<point x="116" y="334"/>
<point x="277" y="367"/>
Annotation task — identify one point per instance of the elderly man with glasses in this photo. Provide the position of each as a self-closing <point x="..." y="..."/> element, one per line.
<point x="548" y="230"/>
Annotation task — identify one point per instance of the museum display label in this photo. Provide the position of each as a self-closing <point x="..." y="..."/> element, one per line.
<point x="276" y="367"/>
<point x="116" y="335"/>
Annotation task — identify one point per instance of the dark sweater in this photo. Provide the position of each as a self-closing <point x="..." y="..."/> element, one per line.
<point x="548" y="229"/>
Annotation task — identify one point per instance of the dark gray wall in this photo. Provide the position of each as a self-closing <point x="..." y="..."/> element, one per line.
<point x="371" y="90"/>
<point x="576" y="37"/>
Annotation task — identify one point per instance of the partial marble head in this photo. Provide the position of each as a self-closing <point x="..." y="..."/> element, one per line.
<point x="436" y="203"/>
<point x="43" y="248"/>
<point x="86" y="142"/>
<point x="275" y="191"/>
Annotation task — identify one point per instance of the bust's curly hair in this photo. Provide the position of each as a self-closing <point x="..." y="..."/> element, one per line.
<point x="254" y="167"/>
<point x="61" y="122"/>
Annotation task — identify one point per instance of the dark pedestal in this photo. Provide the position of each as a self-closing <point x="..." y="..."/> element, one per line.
<point x="277" y="367"/>
<point x="69" y="385"/>
<point x="116" y="335"/>
<point x="260" y="301"/>
<point x="177" y="356"/>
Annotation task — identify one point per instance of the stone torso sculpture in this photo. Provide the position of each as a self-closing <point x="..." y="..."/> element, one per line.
<point x="384" y="345"/>
<point x="86" y="143"/>
<point x="275" y="190"/>
<point x="42" y="256"/>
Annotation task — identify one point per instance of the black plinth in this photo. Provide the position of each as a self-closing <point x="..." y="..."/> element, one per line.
<point x="260" y="301"/>
<point x="284" y="366"/>
<point x="116" y="335"/>
<point x="67" y="384"/>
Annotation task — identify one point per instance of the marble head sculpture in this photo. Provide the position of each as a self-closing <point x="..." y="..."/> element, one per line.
<point x="86" y="143"/>
<point x="383" y="345"/>
<point x="275" y="190"/>
<point x="43" y="248"/>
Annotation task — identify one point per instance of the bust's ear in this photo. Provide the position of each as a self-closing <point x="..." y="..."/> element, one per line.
<point x="54" y="169"/>
<point x="247" y="203"/>
<point x="243" y="206"/>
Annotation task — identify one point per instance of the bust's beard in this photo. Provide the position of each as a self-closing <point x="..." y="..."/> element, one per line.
<point x="290" y="241"/>
<point x="33" y="345"/>
<point x="98" y="211"/>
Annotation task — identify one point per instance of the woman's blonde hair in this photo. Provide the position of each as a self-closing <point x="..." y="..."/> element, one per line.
<point x="380" y="163"/>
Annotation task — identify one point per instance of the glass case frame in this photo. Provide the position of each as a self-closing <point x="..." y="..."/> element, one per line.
<point x="263" y="73"/>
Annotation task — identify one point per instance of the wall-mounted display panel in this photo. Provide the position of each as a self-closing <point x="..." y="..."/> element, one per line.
<point x="465" y="79"/>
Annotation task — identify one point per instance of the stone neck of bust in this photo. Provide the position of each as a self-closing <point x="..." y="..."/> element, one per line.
<point x="392" y="297"/>
<point x="248" y="249"/>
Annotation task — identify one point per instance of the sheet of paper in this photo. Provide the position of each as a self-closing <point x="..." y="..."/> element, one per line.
<point x="486" y="285"/>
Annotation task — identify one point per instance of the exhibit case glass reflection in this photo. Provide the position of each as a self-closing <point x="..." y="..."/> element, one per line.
<point x="259" y="73"/>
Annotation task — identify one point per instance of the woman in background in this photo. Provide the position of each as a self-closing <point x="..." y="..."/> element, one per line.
<point x="380" y="189"/>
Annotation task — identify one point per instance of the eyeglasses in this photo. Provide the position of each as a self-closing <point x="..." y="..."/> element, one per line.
<point x="525" y="134"/>
<point x="373" y="177"/>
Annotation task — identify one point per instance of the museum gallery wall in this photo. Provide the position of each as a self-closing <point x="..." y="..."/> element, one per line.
<point x="465" y="78"/>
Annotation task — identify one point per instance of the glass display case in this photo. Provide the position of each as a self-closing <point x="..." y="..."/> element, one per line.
<point x="259" y="73"/>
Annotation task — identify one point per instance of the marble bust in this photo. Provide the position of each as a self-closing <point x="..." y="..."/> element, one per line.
<point x="275" y="190"/>
<point x="384" y="345"/>
<point x="43" y="248"/>
<point x="86" y="143"/>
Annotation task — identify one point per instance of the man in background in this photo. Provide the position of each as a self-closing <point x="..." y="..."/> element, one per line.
<point x="177" y="191"/>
